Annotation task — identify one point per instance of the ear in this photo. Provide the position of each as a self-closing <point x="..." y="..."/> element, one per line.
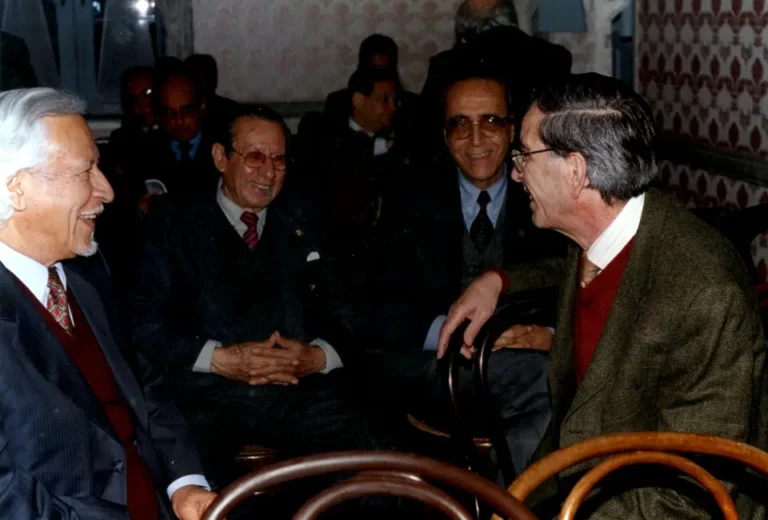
<point x="576" y="173"/>
<point x="512" y="134"/>
<point x="357" y="100"/>
<point x="203" y="105"/>
<point x="220" y="158"/>
<point x="17" y="185"/>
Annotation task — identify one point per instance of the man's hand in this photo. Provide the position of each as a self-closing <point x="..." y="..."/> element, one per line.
<point x="255" y="362"/>
<point x="310" y="359"/>
<point x="191" y="502"/>
<point x="525" y="336"/>
<point x="476" y="304"/>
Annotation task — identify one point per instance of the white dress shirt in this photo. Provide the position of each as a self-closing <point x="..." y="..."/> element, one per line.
<point x="34" y="276"/>
<point x="379" y="143"/>
<point x="618" y="234"/>
<point x="233" y="212"/>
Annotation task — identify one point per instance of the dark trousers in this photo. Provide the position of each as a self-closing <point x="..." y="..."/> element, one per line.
<point x="416" y="382"/>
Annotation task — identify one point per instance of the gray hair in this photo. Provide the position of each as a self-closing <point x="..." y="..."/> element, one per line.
<point x="23" y="136"/>
<point x="609" y="124"/>
<point x="471" y="22"/>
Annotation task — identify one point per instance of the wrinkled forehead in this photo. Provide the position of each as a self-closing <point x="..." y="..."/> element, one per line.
<point x="259" y="134"/>
<point x="70" y="141"/>
<point x="476" y="97"/>
<point x="530" y="135"/>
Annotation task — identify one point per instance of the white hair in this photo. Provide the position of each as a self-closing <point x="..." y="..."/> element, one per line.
<point x="23" y="136"/>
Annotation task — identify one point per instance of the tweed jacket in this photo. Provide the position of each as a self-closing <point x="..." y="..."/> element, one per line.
<point x="682" y="350"/>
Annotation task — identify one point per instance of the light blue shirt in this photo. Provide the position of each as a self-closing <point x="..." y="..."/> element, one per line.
<point x="194" y="145"/>
<point x="469" y="210"/>
<point x="469" y="193"/>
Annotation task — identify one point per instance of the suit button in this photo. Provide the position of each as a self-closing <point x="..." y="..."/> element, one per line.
<point x="118" y="466"/>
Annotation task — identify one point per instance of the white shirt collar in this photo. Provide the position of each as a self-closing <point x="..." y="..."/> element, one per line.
<point x="233" y="212"/>
<point x="31" y="273"/>
<point x="618" y="234"/>
<point x="357" y="128"/>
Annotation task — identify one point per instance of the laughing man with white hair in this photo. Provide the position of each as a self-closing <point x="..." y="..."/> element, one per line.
<point x="80" y="437"/>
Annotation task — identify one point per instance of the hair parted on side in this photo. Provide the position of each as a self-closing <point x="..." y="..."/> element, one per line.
<point x="23" y="136"/>
<point x="609" y="124"/>
<point x="225" y="135"/>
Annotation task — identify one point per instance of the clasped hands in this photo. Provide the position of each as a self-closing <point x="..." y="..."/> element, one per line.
<point x="277" y="360"/>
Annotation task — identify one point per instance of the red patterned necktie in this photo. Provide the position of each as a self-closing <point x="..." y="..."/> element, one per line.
<point x="57" y="301"/>
<point x="251" y="236"/>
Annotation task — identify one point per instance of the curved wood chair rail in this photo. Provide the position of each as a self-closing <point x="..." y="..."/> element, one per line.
<point x="659" y="442"/>
<point x="586" y="484"/>
<point x="357" y="461"/>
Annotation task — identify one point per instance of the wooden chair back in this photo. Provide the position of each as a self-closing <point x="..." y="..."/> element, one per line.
<point x="378" y="473"/>
<point x="625" y="449"/>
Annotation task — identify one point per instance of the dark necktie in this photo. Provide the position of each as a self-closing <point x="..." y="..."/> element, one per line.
<point x="186" y="156"/>
<point x="57" y="303"/>
<point x="481" y="231"/>
<point x="251" y="236"/>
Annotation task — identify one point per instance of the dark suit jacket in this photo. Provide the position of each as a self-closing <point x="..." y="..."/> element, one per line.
<point x="419" y="252"/>
<point x="198" y="176"/>
<point x="682" y="350"/>
<point x="59" y="456"/>
<point x="15" y="68"/>
<point x="199" y="281"/>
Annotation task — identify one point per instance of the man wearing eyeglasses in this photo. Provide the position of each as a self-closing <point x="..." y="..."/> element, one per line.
<point x="453" y="224"/>
<point x="658" y="327"/>
<point x="181" y="157"/>
<point x="235" y="304"/>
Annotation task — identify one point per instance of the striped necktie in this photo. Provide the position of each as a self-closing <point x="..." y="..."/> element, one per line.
<point x="57" y="303"/>
<point x="251" y="236"/>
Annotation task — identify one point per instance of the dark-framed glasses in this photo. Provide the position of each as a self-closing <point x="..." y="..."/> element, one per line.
<point x="490" y="125"/>
<point x="520" y="159"/>
<point x="258" y="159"/>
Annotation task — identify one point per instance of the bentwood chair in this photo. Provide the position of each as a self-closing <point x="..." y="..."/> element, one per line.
<point x="378" y="473"/>
<point x="627" y="449"/>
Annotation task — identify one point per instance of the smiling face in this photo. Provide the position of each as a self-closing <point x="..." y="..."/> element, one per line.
<point x="56" y="205"/>
<point x="544" y="176"/>
<point x="253" y="189"/>
<point x="481" y="155"/>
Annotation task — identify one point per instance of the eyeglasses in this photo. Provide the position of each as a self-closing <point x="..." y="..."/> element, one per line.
<point x="491" y="125"/>
<point x="258" y="159"/>
<point x="521" y="158"/>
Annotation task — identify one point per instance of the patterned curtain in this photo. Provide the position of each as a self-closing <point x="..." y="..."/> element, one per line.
<point x="176" y="17"/>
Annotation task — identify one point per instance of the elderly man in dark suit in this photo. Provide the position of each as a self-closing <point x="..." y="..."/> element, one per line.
<point x="658" y="329"/>
<point x="80" y="438"/>
<point x="234" y="305"/>
<point x="449" y="226"/>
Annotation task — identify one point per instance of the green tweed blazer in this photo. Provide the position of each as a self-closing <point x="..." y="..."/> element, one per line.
<point x="682" y="350"/>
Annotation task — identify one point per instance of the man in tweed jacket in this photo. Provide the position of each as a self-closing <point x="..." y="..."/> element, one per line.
<point x="657" y="328"/>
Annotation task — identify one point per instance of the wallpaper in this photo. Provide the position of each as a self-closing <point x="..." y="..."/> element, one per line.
<point x="703" y="64"/>
<point x="299" y="50"/>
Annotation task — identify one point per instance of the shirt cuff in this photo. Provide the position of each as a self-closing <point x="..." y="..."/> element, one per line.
<point x="380" y="146"/>
<point x="189" y="480"/>
<point x="433" y="335"/>
<point x="203" y="362"/>
<point x="332" y="359"/>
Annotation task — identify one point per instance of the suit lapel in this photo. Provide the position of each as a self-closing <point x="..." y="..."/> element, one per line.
<point x="635" y="281"/>
<point x="37" y="343"/>
<point x="93" y="309"/>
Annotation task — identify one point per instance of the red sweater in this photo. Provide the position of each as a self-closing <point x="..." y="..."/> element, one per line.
<point x="85" y="351"/>
<point x="592" y="308"/>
